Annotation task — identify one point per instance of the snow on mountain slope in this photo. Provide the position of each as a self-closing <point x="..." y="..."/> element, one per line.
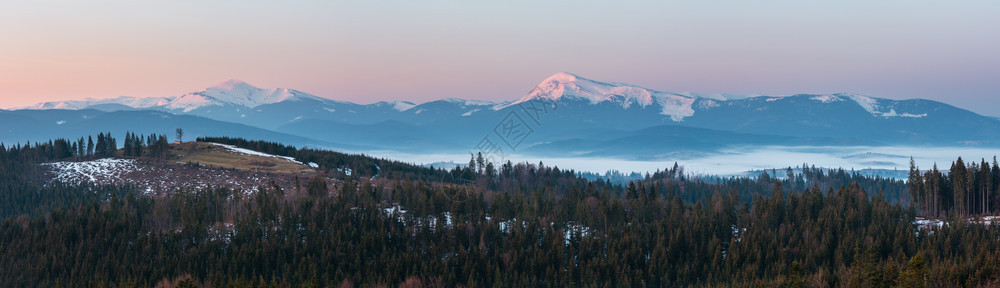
<point x="466" y="103"/>
<point x="718" y="96"/>
<point x="231" y="92"/>
<point x="875" y="106"/>
<point x="190" y="102"/>
<point x="562" y="86"/>
<point x="566" y="85"/>
<point x="679" y="105"/>
<point x="133" y="102"/>
<point x="569" y="86"/>
<point x="238" y="93"/>
<point x="402" y="105"/>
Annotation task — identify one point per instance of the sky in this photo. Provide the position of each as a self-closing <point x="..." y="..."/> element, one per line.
<point x="369" y="51"/>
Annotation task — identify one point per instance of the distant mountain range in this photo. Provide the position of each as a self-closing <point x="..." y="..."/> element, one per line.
<point x="563" y="115"/>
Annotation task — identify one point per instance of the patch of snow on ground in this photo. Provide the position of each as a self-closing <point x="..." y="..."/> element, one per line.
<point x="572" y="229"/>
<point x="347" y="171"/>
<point x="989" y="220"/>
<point x="254" y="153"/>
<point x="738" y="233"/>
<point x="154" y="177"/>
<point x="90" y="171"/>
<point x="221" y="232"/>
<point x="925" y="223"/>
<point x="395" y="210"/>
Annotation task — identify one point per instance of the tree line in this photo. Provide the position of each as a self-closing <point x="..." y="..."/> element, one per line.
<point x="967" y="189"/>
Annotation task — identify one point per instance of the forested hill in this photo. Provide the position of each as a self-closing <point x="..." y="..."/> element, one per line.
<point x="487" y="224"/>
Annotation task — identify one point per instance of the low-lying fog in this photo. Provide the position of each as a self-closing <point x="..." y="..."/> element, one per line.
<point x="739" y="161"/>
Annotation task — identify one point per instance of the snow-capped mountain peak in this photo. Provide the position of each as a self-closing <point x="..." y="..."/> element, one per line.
<point x="238" y="93"/>
<point x="232" y="84"/>
<point x="241" y="93"/>
<point x="563" y="77"/>
<point x="565" y="85"/>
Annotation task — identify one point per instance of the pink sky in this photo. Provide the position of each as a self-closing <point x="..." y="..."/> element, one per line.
<point x="377" y="50"/>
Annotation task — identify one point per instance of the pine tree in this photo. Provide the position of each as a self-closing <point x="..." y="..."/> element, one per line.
<point x="81" y="148"/>
<point x="480" y="163"/>
<point x="915" y="185"/>
<point x="915" y="274"/>
<point x="865" y="271"/>
<point x="317" y="187"/>
<point x="472" y="164"/>
<point x="101" y="148"/>
<point x="128" y="144"/>
<point x="794" y="277"/>
<point x="958" y="185"/>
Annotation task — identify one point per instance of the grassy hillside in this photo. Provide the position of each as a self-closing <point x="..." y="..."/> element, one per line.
<point x="213" y="155"/>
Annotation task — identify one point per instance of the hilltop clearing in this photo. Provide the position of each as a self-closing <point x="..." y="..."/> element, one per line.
<point x="190" y="165"/>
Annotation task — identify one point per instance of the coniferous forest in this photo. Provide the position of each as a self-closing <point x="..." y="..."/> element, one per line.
<point x="391" y="224"/>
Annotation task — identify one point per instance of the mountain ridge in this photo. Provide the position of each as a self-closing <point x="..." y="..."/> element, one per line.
<point x="568" y="102"/>
<point x="554" y="88"/>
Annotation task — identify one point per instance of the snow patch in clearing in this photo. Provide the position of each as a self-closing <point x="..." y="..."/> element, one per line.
<point x="89" y="171"/>
<point x="930" y="224"/>
<point x="254" y="153"/>
<point x="346" y="171"/>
